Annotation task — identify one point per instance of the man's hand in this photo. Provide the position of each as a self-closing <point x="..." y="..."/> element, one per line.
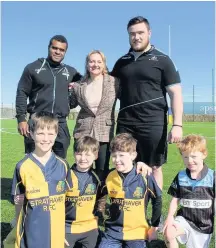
<point x="23" y="128"/>
<point x="66" y="243"/>
<point x="152" y="234"/>
<point x="175" y="134"/>
<point x="144" y="169"/>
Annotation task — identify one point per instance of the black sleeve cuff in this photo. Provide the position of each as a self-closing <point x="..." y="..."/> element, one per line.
<point x="21" y="118"/>
<point x="156" y="211"/>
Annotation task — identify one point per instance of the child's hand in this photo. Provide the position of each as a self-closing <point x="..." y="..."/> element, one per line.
<point x="144" y="169"/>
<point x="101" y="204"/>
<point x="66" y="243"/>
<point x="18" y="199"/>
<point x="152" y="234"/>
<point x="168" y="221"/>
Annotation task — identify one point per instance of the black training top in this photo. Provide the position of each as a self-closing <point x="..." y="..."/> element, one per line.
<point x="45" y="85"/>
<point x="143" y="82"/>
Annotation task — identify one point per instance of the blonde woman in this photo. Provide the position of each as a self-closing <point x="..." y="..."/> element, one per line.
<point x="96" y="94"/>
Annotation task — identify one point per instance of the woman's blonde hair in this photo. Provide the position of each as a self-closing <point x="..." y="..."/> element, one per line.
<point x="105" y="70"/>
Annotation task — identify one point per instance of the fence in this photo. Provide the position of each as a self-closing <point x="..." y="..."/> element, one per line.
<point x="199" y="105"/>
<point x="8" y="111"/>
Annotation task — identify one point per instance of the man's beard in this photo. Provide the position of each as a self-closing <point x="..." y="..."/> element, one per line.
<point x="141" y="49"/>
<point x="138" y="50"/>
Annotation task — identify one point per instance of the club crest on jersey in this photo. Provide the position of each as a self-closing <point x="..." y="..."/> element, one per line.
<point x="90" y="189"/>
<point x="60" y="186"/>
<point x="138" y="193"/>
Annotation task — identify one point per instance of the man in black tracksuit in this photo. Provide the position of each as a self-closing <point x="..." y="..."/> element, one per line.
<point x="146" y="75"/>
<point x="45" y="83"/>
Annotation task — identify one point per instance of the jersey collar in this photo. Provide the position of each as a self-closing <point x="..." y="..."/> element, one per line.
<point x="144" y="53"/>
<point x="204" y="172"/>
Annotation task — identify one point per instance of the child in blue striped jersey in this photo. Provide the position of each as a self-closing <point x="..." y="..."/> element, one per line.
<point x="194" y="190"/>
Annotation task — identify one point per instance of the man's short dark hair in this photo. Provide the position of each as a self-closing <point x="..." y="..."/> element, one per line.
<point x="59" y="38"/>
<point x="137" y="20"/>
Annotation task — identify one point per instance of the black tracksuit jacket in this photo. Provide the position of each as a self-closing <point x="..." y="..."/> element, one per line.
<point x="46" y="87"/>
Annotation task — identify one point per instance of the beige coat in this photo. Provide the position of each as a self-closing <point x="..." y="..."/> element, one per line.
<point x="101" y="124"/>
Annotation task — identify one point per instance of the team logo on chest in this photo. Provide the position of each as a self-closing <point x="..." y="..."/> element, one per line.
<point x="60" y="186"/>
<point x="65" y="73"/>
<point x="138" y="193"/>
<point x="154" y="58"/>
<point x="38" y="70"/>
<point x="90" y="189"/>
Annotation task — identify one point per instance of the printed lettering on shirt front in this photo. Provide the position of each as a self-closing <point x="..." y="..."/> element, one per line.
<point x="77" y="201"/>
<point x="126" y="204"/>
<point x="32" y="190"/>
<point x="189" y="203"/>
<point x="47" y="203"/>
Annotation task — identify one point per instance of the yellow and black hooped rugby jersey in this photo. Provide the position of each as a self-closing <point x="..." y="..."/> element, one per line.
<point x="41" y="222"/>
<point x="129" y="198"/>
<point x="196" y="198"/>
<point x="80" y="202"/>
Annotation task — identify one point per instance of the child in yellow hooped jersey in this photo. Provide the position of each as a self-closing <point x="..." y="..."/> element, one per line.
<point x="81" y="223"/>
<point x="129" y="194"/>
<point x="43" y="178"/>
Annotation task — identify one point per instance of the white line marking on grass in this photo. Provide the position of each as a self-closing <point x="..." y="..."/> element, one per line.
<point x="7" y="128"/>
<point x="3" y="131"/>
<point x="199" y="125"/>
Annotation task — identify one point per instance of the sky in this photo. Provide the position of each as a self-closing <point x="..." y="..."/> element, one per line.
<point x="26" y="28"/>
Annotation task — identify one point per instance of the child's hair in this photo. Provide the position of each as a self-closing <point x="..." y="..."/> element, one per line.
<point x="123" y="142"/>
<point x="86" y="144"/>
<point x="43" y="119"/>
<point x="193" y="143"/>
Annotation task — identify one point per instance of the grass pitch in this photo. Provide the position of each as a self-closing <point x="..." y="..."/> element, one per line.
<point x="13" y="151"/>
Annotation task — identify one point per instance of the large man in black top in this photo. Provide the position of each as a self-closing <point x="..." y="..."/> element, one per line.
<point x="146" y="75"/>
<point x="45" y="83"/>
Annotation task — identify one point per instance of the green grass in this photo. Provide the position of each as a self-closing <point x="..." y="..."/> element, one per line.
<point x="13" y="151"/>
